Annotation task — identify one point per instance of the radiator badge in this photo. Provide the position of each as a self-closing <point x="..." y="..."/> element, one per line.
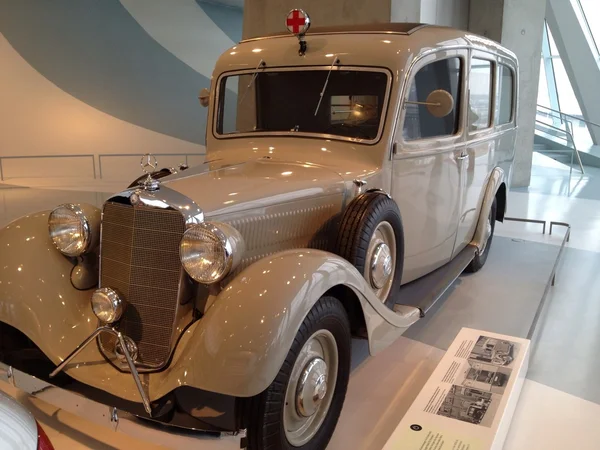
<point x="149" y="164"/>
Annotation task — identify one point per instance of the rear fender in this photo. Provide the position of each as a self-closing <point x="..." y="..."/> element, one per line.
<point x="496" y="179"/>
<point x="248" y="330"/>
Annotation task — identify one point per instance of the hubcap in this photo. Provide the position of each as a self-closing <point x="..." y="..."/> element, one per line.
<point x="381" y="266"/>
<point x="381" y="257"/>
<point x="310" y="388"/>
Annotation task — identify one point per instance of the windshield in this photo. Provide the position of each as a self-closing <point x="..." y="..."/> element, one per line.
<point x="286" y="101"/>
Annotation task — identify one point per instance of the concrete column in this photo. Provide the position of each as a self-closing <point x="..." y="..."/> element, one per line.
<point x="518" y="25"/>
<point x="578" y="58"/>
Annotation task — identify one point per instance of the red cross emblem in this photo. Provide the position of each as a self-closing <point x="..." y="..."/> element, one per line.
<point x="297" y="21"/>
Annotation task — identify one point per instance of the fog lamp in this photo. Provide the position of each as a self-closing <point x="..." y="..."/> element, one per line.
<point x="107" y="305"/>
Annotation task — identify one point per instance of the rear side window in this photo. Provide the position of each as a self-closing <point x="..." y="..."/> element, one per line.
<point x="419" y="123"/>
<point x="504" y="95"/>
<point x="480" y="95"/>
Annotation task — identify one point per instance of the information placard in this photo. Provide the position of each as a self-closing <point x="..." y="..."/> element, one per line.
<point x="469" y="400"/>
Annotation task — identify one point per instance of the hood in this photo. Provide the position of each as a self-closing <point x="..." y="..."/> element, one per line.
<point x="220" y="189"/>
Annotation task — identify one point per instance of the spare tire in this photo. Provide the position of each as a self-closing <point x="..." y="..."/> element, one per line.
<point x="371" y="238"/>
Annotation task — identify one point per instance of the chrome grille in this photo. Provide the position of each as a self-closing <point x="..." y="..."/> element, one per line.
<point x="140" y="260"/>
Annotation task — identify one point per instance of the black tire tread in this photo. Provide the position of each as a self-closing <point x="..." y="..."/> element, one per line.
<point x="357" y="226"/>
<point x="265" y="422"/>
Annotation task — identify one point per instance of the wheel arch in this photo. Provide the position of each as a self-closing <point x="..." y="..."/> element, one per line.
<point x="351" y="303"/>
<point x="494" y="189"/>
<point x="247" y="332"/>
<point x="501" y="202"/>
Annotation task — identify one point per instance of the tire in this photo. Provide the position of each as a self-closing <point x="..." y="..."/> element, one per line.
<point x="357" y="229"/>
<point x="480" y="258"/>
<point x="266" y="421"/>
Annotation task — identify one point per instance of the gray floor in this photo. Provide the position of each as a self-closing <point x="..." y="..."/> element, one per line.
<point x="501" y="298"/>
<point x="555" y="181"/>
<point x="566" y="354"/>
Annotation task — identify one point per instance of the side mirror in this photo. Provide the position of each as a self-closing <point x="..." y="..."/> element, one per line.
<point x="204" y="97"/>
<point x="439" y="103"/>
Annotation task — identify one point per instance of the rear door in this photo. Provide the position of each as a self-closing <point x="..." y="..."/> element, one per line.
<point x="478" y="161"/>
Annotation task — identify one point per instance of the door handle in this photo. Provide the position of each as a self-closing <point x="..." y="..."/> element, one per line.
<point x="461" y="155"/>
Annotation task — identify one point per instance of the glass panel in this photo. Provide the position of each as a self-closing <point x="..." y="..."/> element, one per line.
<point x="504" y="95"/>
<point x="352" y="105"/>
<point x="419" y="123"/>
<point x="568" y="101"/>
<point x="352" y="109"/>
<point x="543" y="92"/>
<point x="553" y="47"/>
<point x="588" y="13"/>
<point x="480" y="95"/>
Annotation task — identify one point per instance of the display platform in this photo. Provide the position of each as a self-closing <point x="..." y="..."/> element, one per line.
<point x="502" y="298"/>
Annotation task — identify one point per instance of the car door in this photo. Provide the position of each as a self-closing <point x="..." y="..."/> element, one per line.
<point x="478" y="159"/>
<point x="426" y="163"/>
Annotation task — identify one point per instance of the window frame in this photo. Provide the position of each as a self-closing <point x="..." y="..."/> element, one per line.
<point x="515" y="89"/>
<point x="441" y="54"/>
<point x="217" y="110"/>
<point x="492" y="59"/>
<point x="501" y="65"/>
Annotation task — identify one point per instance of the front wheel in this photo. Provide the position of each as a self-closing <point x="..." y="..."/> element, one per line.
<point x="300" y="409"/>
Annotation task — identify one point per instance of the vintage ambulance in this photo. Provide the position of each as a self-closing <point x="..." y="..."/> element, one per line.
<point x="352" y="174"/>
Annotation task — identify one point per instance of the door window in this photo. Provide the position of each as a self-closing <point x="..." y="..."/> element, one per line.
<point x="504" y="95"/>
<point x="419" y="122"/>
<point x="480" y="95"/>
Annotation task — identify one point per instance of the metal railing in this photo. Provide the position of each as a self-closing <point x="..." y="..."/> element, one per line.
<point x="551" y="280"/>
<point x="564" y="117"/>
<point x="96" y="168"/>
<point x="565" y="135"/>
<point x="110" y="155"/>
<point x="2" y="158"/>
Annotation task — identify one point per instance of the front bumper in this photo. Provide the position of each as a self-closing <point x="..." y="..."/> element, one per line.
<point x="123" y="416"/>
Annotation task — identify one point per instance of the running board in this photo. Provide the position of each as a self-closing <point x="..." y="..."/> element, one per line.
<point x="426" y="291"/>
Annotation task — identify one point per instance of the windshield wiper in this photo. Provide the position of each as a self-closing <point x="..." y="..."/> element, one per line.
<point x="261" y="65"/>
<point x="336" y="60"/>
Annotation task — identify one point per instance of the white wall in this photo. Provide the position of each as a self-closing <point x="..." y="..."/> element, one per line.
<point x="38" y="119"/>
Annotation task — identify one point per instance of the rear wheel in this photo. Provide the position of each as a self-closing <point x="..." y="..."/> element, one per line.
<point x="302" y="406"/>
<point x="371" y="238"/>
<point x="481" y="257"/>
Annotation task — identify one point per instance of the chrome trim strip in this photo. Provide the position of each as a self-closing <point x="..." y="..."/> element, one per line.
<point x="164" y="198"/>
<point x="132" y="368"/>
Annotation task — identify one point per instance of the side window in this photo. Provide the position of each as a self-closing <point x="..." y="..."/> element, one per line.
<point x="419" y="122"/>
<point x="505" y="95"/>
<point x="480" y="95"/>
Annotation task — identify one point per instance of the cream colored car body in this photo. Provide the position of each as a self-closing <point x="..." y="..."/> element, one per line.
<point x="263" y="184"/>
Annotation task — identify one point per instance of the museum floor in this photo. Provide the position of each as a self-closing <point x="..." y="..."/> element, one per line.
<point x="560" y="404"/>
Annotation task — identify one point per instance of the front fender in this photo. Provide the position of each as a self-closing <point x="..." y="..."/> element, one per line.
<point x="236" y="348"/>
<point x="36" y="294"/>
<point x="247" y="332"/>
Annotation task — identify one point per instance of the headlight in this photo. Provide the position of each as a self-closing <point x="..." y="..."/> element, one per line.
<point x="209" y="251"/>
<point x="107" y="305"/>
<point x="70" y="230"/>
